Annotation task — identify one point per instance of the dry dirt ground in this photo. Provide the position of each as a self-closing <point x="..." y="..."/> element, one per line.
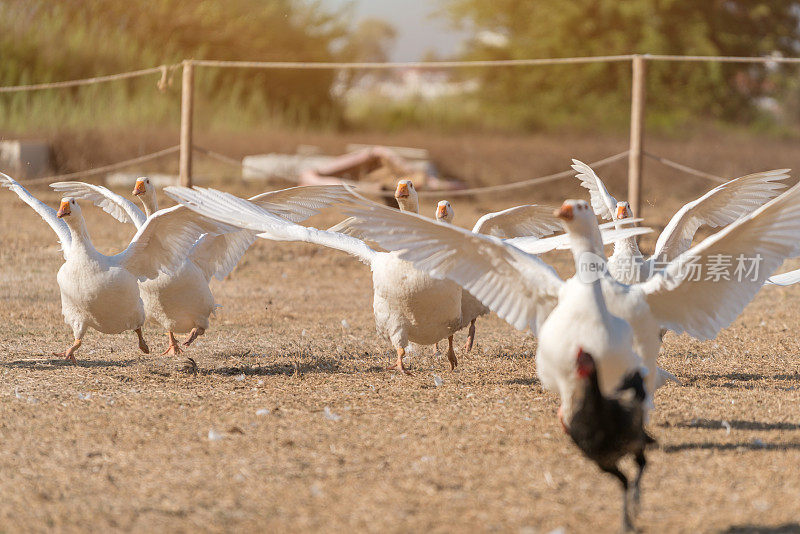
<point x="292" y="423"/>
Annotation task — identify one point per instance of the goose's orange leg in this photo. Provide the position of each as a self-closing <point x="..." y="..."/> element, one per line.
<point x="173" y="347"/>
<point x="142" y="344"/>
<point x="69" y="354"/>
<point x="399" y="364"/>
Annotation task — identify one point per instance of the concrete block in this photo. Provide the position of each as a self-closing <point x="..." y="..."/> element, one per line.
<point x="26" y="159"/>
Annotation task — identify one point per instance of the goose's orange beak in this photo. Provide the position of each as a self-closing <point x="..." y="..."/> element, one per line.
<point x="402" y="191"/>
<point x="441" y="212"/>
<point x="63" y="209"/>
<point x="564" y="212"/>
<point x="138" y="189"/>
<point x="621" y="212"/>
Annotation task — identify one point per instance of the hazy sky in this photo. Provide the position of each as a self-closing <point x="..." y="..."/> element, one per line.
<point x="417" y="31"/>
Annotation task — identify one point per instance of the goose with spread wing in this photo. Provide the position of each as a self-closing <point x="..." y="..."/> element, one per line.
<point x="524" y="291"/>
<point x="408" y="305"/>
<point x="719" y="207"/>
<point x="529" y="220"/>
<point x="100" y="291"/>
<point x="537" y="225"/>
<point x="181" y="300"/>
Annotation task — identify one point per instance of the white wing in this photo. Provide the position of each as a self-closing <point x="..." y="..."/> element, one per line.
<point x="784" y="279"/>
<point x="346" y="227"/>
<point x="164" y="241"/>
<point x="45" y="212"/>
<point x="115" y="205"/>
<point x="603" y="203"/>
<point x="526" y="220"/>
<point x="719" y="207"/>
<point x="531" y="245"/>
<point x="296" y="204"/>
<point x="217" y="255"/>
<point x="519" y="287"/>
<point x="701" y="306"/>
<point x="242" y="213"/>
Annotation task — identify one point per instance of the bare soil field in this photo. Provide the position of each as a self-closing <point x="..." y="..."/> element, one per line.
<point x="292" y="422"/>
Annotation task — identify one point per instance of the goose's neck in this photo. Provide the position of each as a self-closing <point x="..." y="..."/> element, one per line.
<point x="411" y="206"/>
<point x="150" y="203"/>
<point x="586" y="246"/>
<point x="590" y="265"/>
<point x="80" y="234"/>
<point x="590" y="273"/>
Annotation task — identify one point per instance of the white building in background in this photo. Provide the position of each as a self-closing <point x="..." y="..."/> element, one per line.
<point x="405" y="84"/>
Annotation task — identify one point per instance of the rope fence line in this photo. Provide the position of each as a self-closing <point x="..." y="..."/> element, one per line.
<point x="524" y="183"/>
<point x="722" y="59"/>
<point x="688" y="170"/>
<point x="407" y="64"/>
<point x="452" y="193"/>
<point x="186" y="147"/>
<point x="105" y="168"/>
<point x="304" y="65"/>
<point x="163" y="69"/>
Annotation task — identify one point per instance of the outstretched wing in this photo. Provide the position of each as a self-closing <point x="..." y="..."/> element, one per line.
<point x="165" y="241"/>
<point x="719" y="207"/>
<point x="517" y="286"/>
<point x="784" y="279"/>
<point x="296" y="204"/>
<point x="115" y="205"/>
<point x="532" y="245"/>
<point x="690" y="296"/>
<point x="526" y="220"/>
<point x="217" y="255"/>
<point x="45" y="212"/>
<point x="242" y="213"/>
<point x="603" y="204"/>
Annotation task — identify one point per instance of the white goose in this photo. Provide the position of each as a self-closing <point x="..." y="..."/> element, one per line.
<point x="181" y="300"/>
<point x="408" y="305"/>
<point x="532" y="223"/>
<point x="100" y="291"/>
<point x="719" y="207"/>
<point x="523" y="290"/>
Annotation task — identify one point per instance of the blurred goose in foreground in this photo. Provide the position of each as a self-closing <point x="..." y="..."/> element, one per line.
<point x="408" y="305"/>
<point x="100" y="291"/>
<point x="608" y="428"/>
<point x="524" y="291"/>
<point x="719" y="207"/>
<point x="180" y="300"/>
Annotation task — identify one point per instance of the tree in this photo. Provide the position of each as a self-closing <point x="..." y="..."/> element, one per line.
<point x="41" y="40"/>
<point x="554" y="28"/>
<point x="370" y="41"/>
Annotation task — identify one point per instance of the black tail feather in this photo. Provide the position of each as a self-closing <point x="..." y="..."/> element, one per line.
<point x="634" y="381"/>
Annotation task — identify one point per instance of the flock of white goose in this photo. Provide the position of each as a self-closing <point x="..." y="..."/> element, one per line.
<point x="432" y="278"/>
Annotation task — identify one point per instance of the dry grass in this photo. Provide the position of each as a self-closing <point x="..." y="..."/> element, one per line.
<point x="121" y="441"/>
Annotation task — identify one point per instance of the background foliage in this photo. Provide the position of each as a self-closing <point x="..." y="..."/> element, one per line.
<point x="553" y="28"/>
<point x="44" y="40"/>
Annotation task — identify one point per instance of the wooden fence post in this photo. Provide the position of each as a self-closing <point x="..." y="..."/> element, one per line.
<point x="187" y="109"/>
<point x="637" y="134"/>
